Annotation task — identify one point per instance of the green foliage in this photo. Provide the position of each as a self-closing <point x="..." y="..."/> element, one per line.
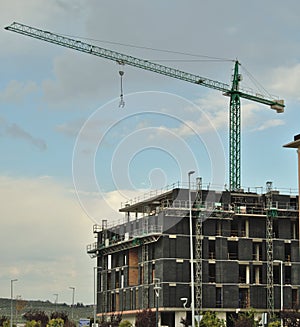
<point x="246" y="319"/>
<point x="57" y="322"/>
<point x="113" y="321"/>
<point x="37" y="315"/>
<point x="275" y="323"/>
<point x="125" y="323"/>
<point x="3" y="319"/>
<point x="61" y="315"/>
<point x="33" y="323"/>
<point x="145" y="318"/>
<point x="6" y="323"/>
<point x="210" y="319"/>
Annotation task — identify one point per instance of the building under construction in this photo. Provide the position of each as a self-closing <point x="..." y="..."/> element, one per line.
<point x="245" y="254"/>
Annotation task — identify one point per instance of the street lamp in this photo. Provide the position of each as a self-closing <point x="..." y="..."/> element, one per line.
<point x="281" y="288"/>
<point x="191" y="252"/>
<point x="73" y="295"/>
<point x="11" y="300"/>
<point x="156" y="288"/>
<point x="56" y="299"/>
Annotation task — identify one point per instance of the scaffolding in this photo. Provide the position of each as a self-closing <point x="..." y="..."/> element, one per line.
<point x="198" y="247"/>
<point x="145" y="266"/>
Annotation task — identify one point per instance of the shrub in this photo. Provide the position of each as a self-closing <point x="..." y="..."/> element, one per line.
<point x="210" y="319"/>
<point x="57" y="322"/>
<point x="145" y="318"/>
<point x="3" y="319"/>
<point x="125" y="323"/>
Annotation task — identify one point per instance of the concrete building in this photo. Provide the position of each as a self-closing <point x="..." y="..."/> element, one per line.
<point x="241" y="241"/>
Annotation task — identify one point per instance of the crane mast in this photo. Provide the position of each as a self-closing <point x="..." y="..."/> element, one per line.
<point x="234" y="92"/>
<point x="235" y="132"/>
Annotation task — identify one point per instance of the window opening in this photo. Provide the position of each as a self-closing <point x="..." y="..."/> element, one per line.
<point x="212" y="249"/>
<point x="212" y="273"/>
<point x="232" y="250"/>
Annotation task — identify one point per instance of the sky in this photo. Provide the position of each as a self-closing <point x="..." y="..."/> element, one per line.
<point x="71" y="156"/>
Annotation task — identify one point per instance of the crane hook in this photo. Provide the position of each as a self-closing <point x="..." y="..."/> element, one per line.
<point x="122" y="102"/>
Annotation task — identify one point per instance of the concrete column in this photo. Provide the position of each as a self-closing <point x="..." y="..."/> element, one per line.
<point x="296" y="145"/>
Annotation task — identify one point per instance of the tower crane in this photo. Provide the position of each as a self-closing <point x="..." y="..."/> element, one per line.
<point x="234" y="91"/>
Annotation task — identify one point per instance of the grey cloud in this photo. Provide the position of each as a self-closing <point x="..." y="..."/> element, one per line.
<point x="18" y="132"/>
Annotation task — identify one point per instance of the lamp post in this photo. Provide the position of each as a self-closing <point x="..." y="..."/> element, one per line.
<point x="191" y="252"/>
<point x="156" y="288"/>
<point x="73" y="296"/>
<point x="281" y="287"/>
<point x="11" y="300"/>
<point x="95" y="301"/>
<point x="56" y="299"/>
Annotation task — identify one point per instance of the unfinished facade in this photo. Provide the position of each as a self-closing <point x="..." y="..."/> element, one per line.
<point x="241" y="241"/>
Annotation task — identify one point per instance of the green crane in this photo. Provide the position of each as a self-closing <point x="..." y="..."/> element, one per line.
<point x="234" y="92"/>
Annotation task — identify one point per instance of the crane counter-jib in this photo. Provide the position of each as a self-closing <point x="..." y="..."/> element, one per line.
<point x="234" y="92"/>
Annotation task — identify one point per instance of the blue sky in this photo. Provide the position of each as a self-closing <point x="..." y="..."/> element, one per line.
<point x="70" y="155"/>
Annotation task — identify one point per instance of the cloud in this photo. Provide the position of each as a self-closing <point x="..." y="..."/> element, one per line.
<point x="70" y="129"/>
<point x="100" y="205"/>
<point x="45" y="234"/>
<point x="15" y="91"/>
<point x="80" y="79"/>
<point x="55" y="14"/>
<point x="288" y="80"/>
<point x="18" y="132"/>
<point x="269" y="124"/>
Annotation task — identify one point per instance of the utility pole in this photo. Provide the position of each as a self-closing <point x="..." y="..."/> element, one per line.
<point x="56" y="300"/>
<point x="191" y="252"/>
<point x="11" y="300"/>
<point x="73" y="296"/>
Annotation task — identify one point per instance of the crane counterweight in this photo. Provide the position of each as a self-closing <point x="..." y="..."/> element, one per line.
<point x="278" y="106"/>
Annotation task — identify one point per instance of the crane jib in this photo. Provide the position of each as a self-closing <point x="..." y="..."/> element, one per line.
<point x="234" y="92"/>
<point x="136" y="62"/>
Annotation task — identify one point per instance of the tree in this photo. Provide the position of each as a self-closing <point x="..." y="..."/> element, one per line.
<point x="20" y="304"/>
<point x="37" y="316"/>
<point x="275" y="323"/>
<point x="115" y="320"/>
<point x="145" y="318"/>
<point x="62" y="315"/>
<point x="57" y="322"/>
<point x="125" y="323"/>
<point x="104" y="322"/>
<point x="184" y="322"/>
<point x="3" y="319"/>
<point x="246" y="319"/>
<point x="210" y="319"/>
<point x="33" y="323"/>
<point x="291" y="318"/>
